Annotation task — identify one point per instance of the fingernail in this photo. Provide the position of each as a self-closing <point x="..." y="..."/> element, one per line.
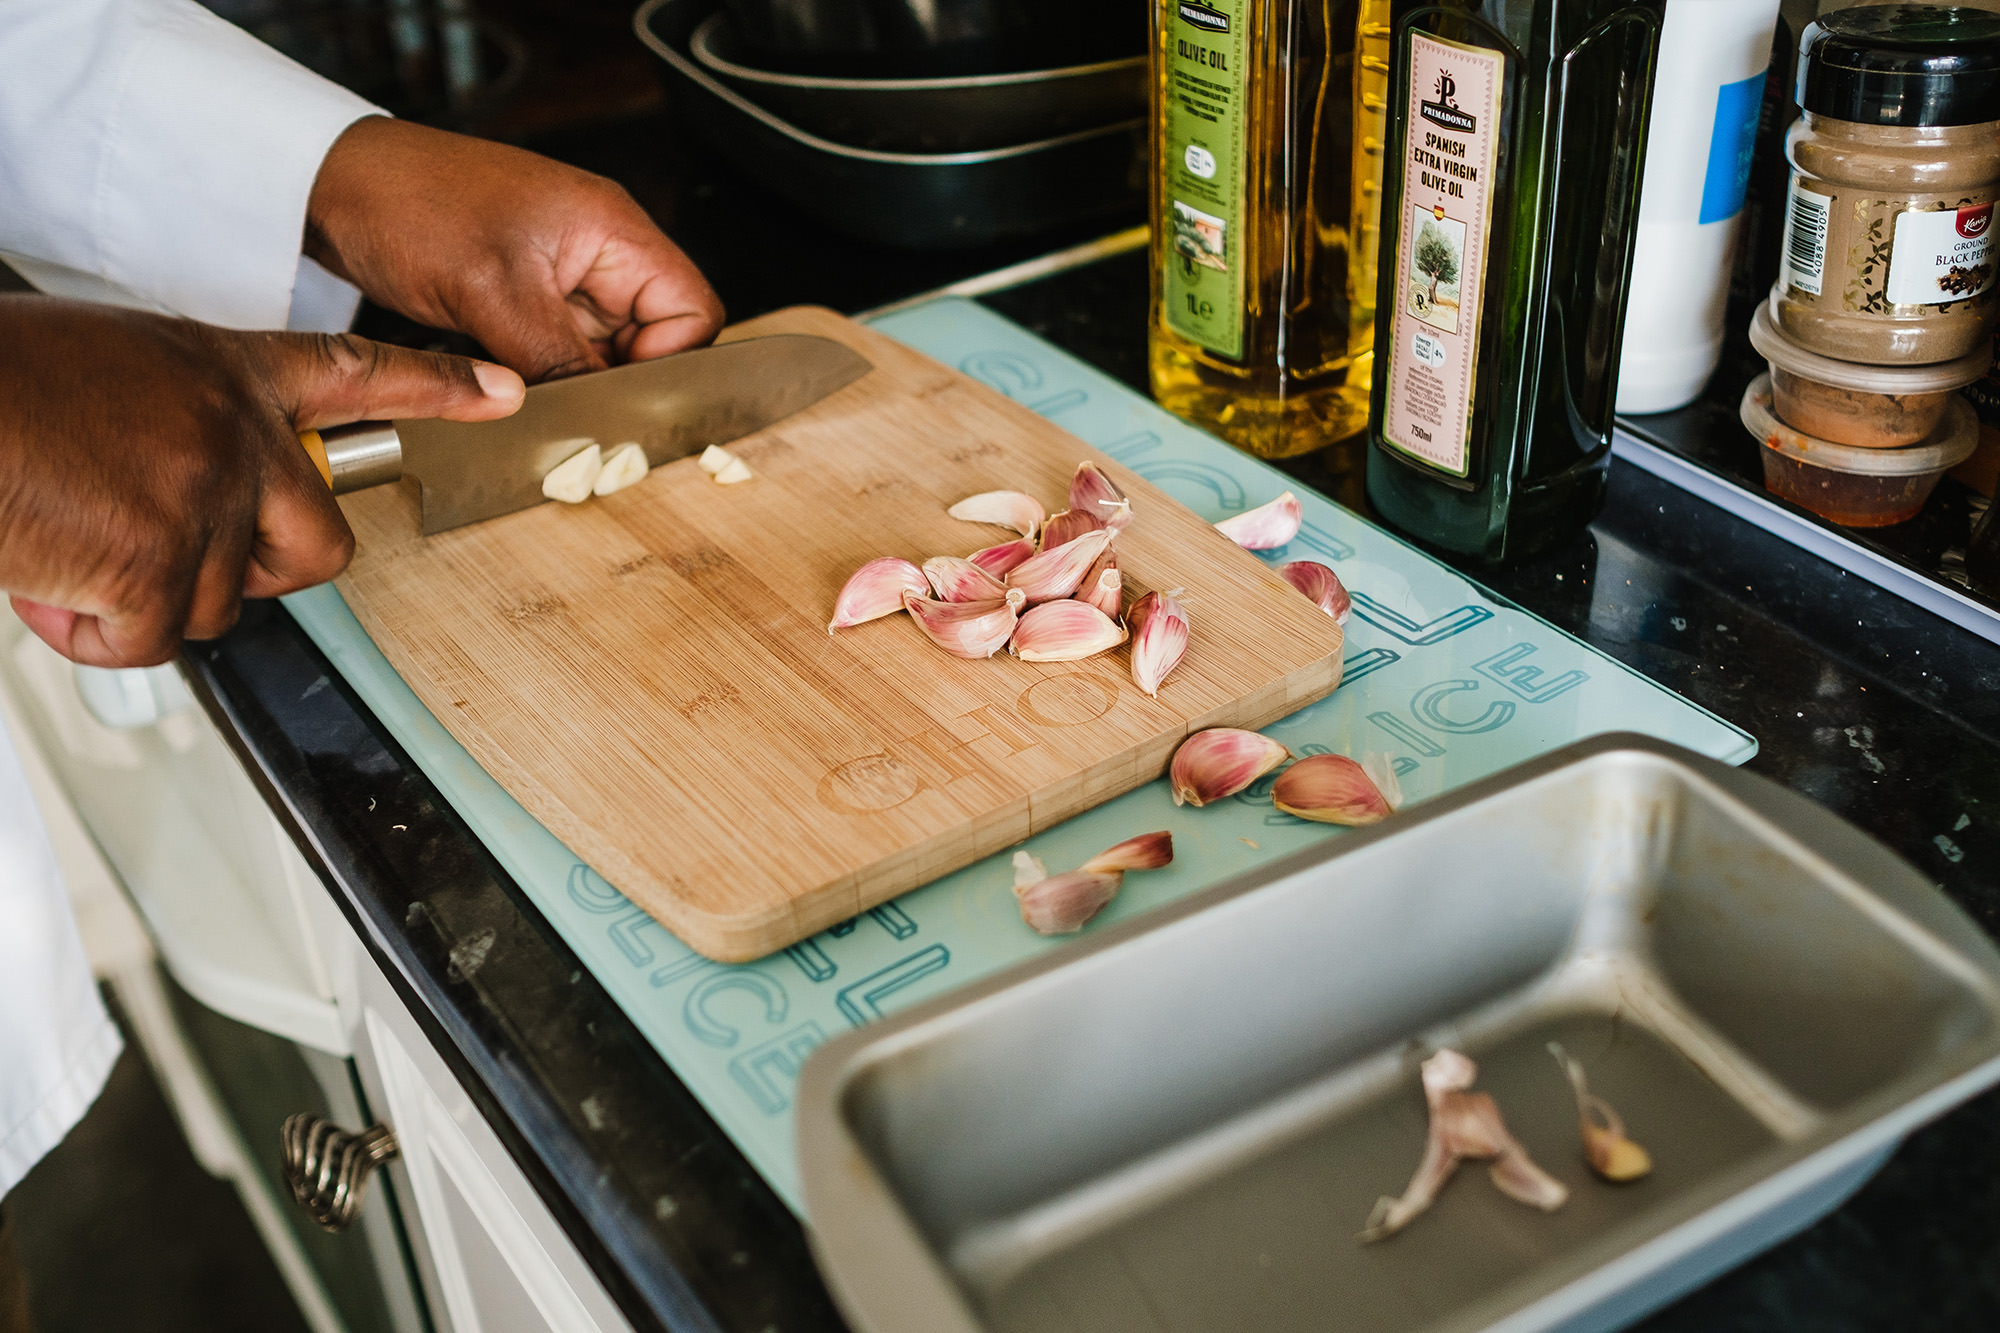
<point x="498" y="381"/>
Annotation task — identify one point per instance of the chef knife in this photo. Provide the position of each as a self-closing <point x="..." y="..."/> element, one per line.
<point x="671" y="406"/>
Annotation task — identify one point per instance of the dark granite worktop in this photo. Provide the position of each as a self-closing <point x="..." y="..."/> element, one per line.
<point x="1883" y="713"/>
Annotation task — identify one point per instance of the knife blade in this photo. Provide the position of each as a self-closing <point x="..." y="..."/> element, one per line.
<point x="671" y="406"/>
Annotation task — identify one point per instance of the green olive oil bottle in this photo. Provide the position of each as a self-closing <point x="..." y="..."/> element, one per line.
<point x="1513" y="157"/>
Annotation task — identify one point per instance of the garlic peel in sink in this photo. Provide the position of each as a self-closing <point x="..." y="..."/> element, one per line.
<point x="1610" y="1153"/>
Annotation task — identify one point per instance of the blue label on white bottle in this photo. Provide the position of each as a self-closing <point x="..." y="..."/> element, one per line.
<point x="1730" y="144"/>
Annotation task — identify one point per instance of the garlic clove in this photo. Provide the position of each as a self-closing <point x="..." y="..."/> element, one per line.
<point x="1063" y="904"/>
<point x="1381" y="770"/>
<point x="1605" y="1147"/>
<point x="713" y="459"/>
<point x="963" y="629"/>
<point x="624" y="466"/>
<point x="733" y="471"/>
<point x="1322" y="585"/>
<point x="1159" y="627"/>
<point x="956" y="580"/>
<point x="1067" y="527"/>
<point x="1065" y="631"/>
<point x="1057" y="572"/>
<point x="1004" y="559"/>
<point x="1093" y="493"/>
<point x="1148" y="851"/>
<point x="1106" y="592"/>
<point x="1219" y="762"/>
<point x="1330" y="789"/>
<point x="876" y="590"/>
<point x="570" y="480"/>
<point x="1266" y="526"/>
<point x="1008" y="509"/>
<point x="1028" y="869"/>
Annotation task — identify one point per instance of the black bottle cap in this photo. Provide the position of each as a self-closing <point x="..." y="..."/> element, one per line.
<point x="1902" y="65"/>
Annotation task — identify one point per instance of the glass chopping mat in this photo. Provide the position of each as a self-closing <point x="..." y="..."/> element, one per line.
<point x="1450" y="680"/>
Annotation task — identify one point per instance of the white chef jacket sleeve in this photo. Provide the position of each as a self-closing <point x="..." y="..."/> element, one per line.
<point x="154" y="154"/>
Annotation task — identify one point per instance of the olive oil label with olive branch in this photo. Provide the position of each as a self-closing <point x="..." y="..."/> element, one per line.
<point x="1440" y="244"/>
<point x="1205" y="114"/>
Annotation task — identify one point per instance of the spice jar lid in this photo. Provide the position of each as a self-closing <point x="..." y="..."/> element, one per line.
<point x="1775" y="347"/>
<point x="1954" y="440"/>
<point x="1902" y="65"/>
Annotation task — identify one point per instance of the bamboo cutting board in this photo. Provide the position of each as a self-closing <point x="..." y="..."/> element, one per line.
<point x="649" y="674"/>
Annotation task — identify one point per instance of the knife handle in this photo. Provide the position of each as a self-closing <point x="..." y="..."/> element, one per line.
<point x="356" y="456"/>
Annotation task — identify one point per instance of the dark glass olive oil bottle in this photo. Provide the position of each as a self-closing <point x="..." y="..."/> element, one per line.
<point x="1510" y="199"/>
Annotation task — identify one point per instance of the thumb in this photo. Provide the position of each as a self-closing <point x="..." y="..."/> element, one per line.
<point x="331" y="379"/>
<point x="536" y="332"/>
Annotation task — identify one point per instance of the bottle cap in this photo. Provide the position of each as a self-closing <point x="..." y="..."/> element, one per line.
<point x="1902" y="65"/>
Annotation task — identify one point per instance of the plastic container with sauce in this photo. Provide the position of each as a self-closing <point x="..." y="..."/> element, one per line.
<point x="1855" y="487"/>
<point x="1888" y="254"/>
<point x="1874" y="407"/>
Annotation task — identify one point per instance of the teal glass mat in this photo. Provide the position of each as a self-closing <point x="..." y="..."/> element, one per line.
<point x="1456" y="684"/>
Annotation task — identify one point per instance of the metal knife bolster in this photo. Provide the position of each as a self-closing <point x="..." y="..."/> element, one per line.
<point x="364" y="454"/>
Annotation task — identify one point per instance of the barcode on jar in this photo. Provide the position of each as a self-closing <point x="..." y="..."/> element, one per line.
<point x="1805" y="240"/>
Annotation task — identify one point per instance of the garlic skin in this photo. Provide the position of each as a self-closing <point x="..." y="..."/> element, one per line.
<point x="1067" y="527"/>
<point x="1065" y="630"/>
<point x="1381" y="770"/>
<point x="1148" y="851"/>
<point x="1267" y="526"/>
<point x="713" y="459"/>
<point x="733" y="471"/>
<point x="963" y="629"/>
<point x="1322" y="585"/>
<point x="876" y="590"/>
<point x="1093" y="493"/>
<point x="1160" y="633"/>
<point x="1004" y="559"/>
<point x="1330" y="789"/>
<point x="1106" y="592"/>
<point x="624" y="466"/>
<point x="1221" y="761"/>
<point x="570" y="480"/>
<point x="956" y="580"/>
<point x="1057" y="572"/>
<point x="1063" y="904"/>
<point x="1028" y="869"/>
<point x="1610" y="1154"/>
<point x="1008" y="509"/>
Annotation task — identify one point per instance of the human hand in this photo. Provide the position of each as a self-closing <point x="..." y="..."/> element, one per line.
<point x="554" y="270"/>
<point x="151" y="475"/>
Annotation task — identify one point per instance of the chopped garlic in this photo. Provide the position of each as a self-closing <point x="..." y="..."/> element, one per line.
<point x="623" y="466"/>
<point x="570" y="480"/>
<point x="714" y="458"/>
<point x="733" y="471"/>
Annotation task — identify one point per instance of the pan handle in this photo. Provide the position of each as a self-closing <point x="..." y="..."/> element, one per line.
<point x="357" y="456"/>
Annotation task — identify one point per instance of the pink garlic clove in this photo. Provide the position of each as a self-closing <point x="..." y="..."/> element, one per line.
<point x="957" y="580"/>
<point x="1065" y="631"/>
<point x="1148" y="851"/>
<point x="1067" y="527"/>
<point x="1267" y="526"/>
<point x="1106" y="592"/>
<point x="1002" y="560"/>
<point x="1008" y="509"/>
<point x="1219" y="762"/>
<point x="1058" y="571"/>
<point x="1063" y="904"/>
<point x="1159" y="627"/>
<point x="1093" y="493"/>
<point x="1330" y="789"/>
<point x="1320" y="584"/>
<point x="876" y="590"/>
<point x="963" y="629"/>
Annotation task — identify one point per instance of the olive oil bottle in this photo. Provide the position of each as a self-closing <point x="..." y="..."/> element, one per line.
<point x="1267" y="140"/>
<point x="1510" y="196"/>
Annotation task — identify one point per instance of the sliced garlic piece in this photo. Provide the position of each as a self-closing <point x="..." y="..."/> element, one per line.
<point x="876" y="590"/>
<point x="1065" y="631"/>
<point x="624" y="466"/>
<point x="956" y="580"/>
<point x="733" y="471"/>
<point x="1009" y="509"/>
<point x="1221" y="761"/>
<point x="1159" y="626"/>
<point x="1321" y="584"/>
<point x="570" y="480"/>
<point x="1330" y="789"/>
<point x="963" y="629"/>
<point x="1093" y="493"/>
<point x="713" y="459"/>
<point x="1267" y="526"/>
<point x="1057" y="572"/>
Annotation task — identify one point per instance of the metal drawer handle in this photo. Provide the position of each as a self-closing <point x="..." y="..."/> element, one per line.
<point x="328" y="1168"/>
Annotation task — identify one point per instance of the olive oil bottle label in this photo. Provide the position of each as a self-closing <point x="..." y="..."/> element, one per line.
<point x="1451" y="128"/>
<point x="1203" y="153"/>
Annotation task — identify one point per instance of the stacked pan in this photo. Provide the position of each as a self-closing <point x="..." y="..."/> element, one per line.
<point x="940" y="125"/>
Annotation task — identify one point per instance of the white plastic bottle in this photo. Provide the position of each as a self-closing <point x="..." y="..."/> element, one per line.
<point x="1707" y="92"/>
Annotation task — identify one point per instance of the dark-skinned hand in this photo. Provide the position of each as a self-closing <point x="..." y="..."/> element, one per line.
<point x="554" y="270"/>
<point x="151" y="475"/>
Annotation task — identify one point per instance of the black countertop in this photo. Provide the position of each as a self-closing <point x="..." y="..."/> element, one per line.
<point x="1881" y="712"/>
